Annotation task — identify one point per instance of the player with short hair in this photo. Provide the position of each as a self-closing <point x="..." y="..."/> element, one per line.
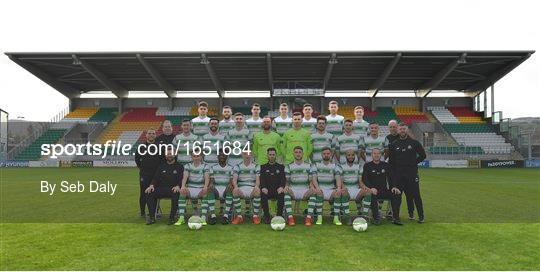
<point x="195" y="185"/>
<point x="220" y="184"/>
<point x="334" y="121"/>
<point x="186" y="136"/>
<point x="246" y="184"/>
<point x="283" y="122"/>
<point x="240" y="134"/>
<point x="213" y="138"/>
<point x="308" y="122"/>
<point x="373" y="140"/>
<point x="326" y="181"/>
<point x="348" y="141"/>
<point x="254" y="123"/>
<point x="298" y="187"/>
<point x="264" y="140"/>
<point x="200" y="123"/>
<point x="320" y="139"/>
<point x="296" y="136"/>
<point x="353" y="188"/>
<point x="360" y="126"/>
<point x="390" y="138"/>
<point x="227" y="123"/>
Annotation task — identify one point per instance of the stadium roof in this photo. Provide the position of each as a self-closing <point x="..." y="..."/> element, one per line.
<point x="75" y="73"/>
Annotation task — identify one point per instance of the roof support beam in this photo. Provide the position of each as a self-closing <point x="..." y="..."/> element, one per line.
<point x="379" y="82"/>
<point x="112" y="86"/>
<point x="213" y="75"/>
<point x="65" y="89"/>
<point x="494" y="77"/>
<point x="331" y="62"/>
<point x="269" y="73"/>
<point x="426" y="88"/>
<point x="168" y="88"/>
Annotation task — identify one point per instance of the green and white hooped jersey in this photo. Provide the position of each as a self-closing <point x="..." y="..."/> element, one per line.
<point x="298" y="175"/>
<point x="242" y="136"/>
<point x="222" y="175"/>
<point x="195" y="175"/>
<point x="326" y="174"/>
<point x="254" y="126"/>
<point x="213" y="139"/>
<point x="282" y="124"/>
<point x="183" y="157"/>
<point x="351" y="174"/>
<point x="371" y="143"/>
<point x="320" y="141"/>
<point x="346" y="142"/>
<point x="334" y="124"/>
<point x="309" y="125"/>
<point x="200" y="125"/>
<point x="360" y="128"/>
<point x="247" y="175"/>
<point x="225" y="126"/>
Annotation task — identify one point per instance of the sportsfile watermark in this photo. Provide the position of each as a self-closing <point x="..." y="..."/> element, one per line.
<point x="114" y="148"/>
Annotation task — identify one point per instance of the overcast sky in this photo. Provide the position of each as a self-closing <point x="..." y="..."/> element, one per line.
<point x="275" y="25"/>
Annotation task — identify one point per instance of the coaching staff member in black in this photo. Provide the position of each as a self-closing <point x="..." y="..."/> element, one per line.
<point x="376" y="176"/>
<point x="147" y="165"/>
<point x="272" y="176"/>
<point x="165" y="184"/>
<point x="405" y="154"/>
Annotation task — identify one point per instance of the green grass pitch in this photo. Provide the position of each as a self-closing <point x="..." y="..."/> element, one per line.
<point x="477" y="219"/>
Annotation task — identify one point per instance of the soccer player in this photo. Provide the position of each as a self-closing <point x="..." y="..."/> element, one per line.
<point x="376" y="175"/>
<point x="353" y="187"/>
<point x="147" y="165"/>
<point x="214" y="140"/>
<point x="195" y="185"/>
<point x="298" y="187"/>
<point x="320" y="139"/>
<point x="360" y="126"/>
<point x="246" y="184"/>
<point x="296" y="136"/>
<point x="239" y="136"/>
<point x="183" y="156"/>
<point x="264" y="140"/>
<point x="165" y="183"/>
<point x="326" y="181"/>
<point x="334" y="121"/>
<point x="373" y="140"/>
<point x="283" y="122"/>
<point x="220" y="183"/>
<point x="348" y="141"/>
<point x="254" y="124"/>
<point x="227" y="123"/>
<point x="405" y="154"/>
<point x="200" y="123"/>
<point x="272" y="177"/>
<point x="308" y="122"/>
<point x="390" y="138"/>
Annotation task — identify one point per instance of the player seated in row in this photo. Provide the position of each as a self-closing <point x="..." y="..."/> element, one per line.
<point x="195" y="186"/>
<point x="220" y="184"/>
<point x="326" y="182"/>
<point x="298" y="187"/>
<point x="353" y="188"/>
<point x="245" y="184"/>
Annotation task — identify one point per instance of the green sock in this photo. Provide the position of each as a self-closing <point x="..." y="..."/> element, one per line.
<point x="228" y="204"/>
<point x="181" y="205"/>
<point x="311" y="205"/>
<point x="256" y="205"/>
<point x="345" y="204"/>
<point x="288" y="205"/>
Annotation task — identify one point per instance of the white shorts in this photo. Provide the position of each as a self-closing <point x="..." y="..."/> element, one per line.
<point x="353" y="192"/>
<point x="327" y="193"/>
<point x="221" y="191"/>
<point x="246" y="191"/>
<point x="299" y="193"/>
<point x="194" y="192"/>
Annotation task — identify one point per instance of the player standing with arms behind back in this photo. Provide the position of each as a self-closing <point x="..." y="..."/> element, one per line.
<point x="334" y="121"/>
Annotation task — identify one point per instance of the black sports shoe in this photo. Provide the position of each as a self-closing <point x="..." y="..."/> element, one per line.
<point x="212" y="220"/>
<point x="348" y="220"/>
<point x="224" y="220"/>
<point x="411" y="216"/>
<point x="397" y="222"/>
<point x="150" y="221"/>
<point x="421" y="219"/>
<point x="267" y="219"/>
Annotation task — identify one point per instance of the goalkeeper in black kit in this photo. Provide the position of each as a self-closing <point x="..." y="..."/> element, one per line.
<point x="405" y="154"/>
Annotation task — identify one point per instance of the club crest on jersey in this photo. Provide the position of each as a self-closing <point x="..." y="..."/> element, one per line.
<point x="409" y="147"/>
<point x="174" y="172"/>
<point x="382" y="171"/>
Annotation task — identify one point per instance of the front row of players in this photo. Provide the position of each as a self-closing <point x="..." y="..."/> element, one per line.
<point x="298" y="181"/>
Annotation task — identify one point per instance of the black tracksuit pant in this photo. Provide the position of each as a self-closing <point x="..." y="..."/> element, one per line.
<point x="272" y="194"/>
<point x="163" y="192"/>
<point x="395" y="201"/>
<point x="410" y="184"/>
<point x="144" y="182"/>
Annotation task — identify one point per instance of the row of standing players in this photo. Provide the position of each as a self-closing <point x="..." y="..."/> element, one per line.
<point x="337" y="166"/>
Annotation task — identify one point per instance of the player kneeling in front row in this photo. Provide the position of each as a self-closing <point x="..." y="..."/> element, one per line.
<point x="326" y="181"/>
<point x="220" y="184"/>
<point x="195" y="185"/>
<point x="245" y="185"/>
<point x="298" y="187"/>
<point x="353" y="188"/>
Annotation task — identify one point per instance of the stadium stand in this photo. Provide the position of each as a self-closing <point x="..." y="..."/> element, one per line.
<point x="409" y="114"/>
<point x="33" y="151"/>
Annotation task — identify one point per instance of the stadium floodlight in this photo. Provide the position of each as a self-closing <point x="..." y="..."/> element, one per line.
<point x="199" y="94"/>
<point x="241" y="94"/>
<point x="98" y="94"/>
<point x="146" y="94"/>
<point x="396" y="93"/>
<point x="346" y="94"/>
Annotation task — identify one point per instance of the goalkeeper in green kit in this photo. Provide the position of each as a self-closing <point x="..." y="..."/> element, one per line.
<point x="264" y="140"/>
<point x="296" y="136"/>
